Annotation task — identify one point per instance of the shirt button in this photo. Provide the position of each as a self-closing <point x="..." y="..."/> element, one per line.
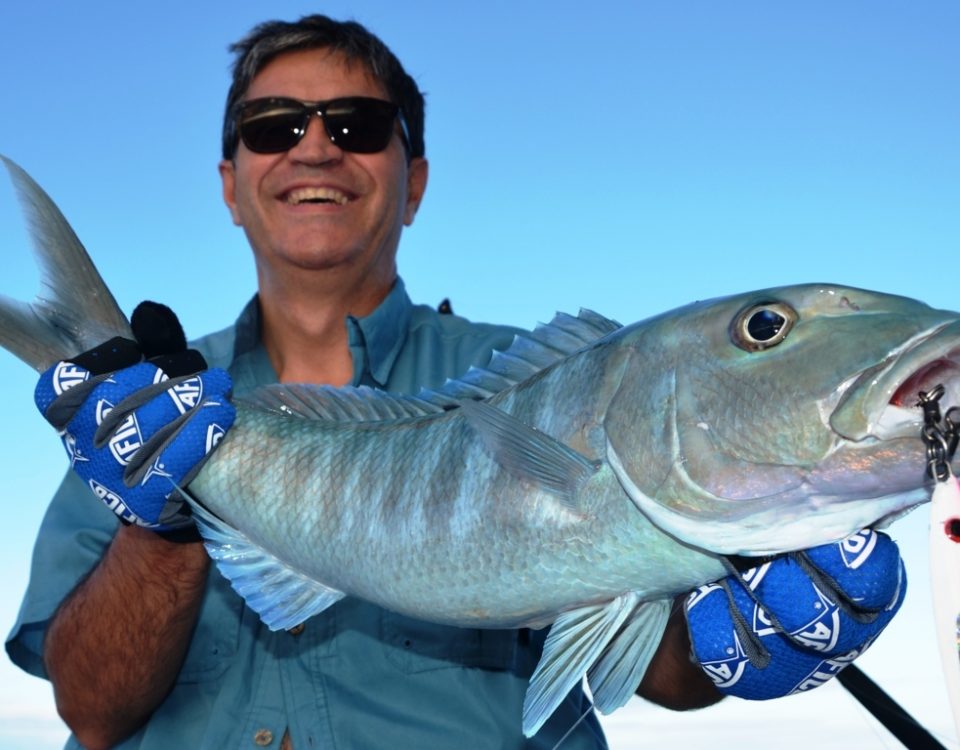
<point x="263" y="737"/>
<point x="296" y="629"/>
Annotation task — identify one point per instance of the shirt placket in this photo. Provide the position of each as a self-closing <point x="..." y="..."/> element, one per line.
<point x="304" y="685"/>
<point x="266" y="716"/>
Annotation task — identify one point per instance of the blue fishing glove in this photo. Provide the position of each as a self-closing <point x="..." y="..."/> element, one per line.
<point x="790" y="624"/>
<point x="134" y="429"/>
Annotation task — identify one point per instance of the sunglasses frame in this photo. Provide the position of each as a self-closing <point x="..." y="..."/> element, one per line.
<point x="307" y="110"/>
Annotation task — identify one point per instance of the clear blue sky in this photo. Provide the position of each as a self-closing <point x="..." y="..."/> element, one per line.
<point x="624" y="156"/>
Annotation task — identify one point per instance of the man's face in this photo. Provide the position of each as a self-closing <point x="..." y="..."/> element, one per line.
<point x="317" y="207"/>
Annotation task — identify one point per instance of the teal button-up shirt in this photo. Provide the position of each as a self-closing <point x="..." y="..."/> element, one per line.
<point x="355" y="676"/>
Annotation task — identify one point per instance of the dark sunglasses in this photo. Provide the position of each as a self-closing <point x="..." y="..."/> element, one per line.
<point x="358" y="124"/>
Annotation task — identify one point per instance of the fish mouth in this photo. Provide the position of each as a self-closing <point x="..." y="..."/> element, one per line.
<point x="883" y="401"/>
<point x="922" y="382"/>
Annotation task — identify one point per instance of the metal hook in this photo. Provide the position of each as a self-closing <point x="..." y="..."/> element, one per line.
<point x="941" y="443"/>
<point x="930" y="403"/>
<point x="952" y="431"/>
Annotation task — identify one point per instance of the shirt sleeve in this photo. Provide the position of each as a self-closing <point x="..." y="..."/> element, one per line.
<point x="75" y="531"/>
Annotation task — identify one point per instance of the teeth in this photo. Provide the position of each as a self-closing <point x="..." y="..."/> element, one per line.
<point x="321" y="194"/>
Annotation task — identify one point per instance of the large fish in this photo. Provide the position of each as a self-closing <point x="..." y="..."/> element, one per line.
<point x="585" y="478"/>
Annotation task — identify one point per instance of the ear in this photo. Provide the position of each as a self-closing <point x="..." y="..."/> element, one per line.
<point x="228" y="176"/>
<point x="416" y="186"/>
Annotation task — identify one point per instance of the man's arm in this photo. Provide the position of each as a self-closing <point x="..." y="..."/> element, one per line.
<point x="134" y="430"/>
<point x="673" y="680"/>
<point x="115" y="646"/>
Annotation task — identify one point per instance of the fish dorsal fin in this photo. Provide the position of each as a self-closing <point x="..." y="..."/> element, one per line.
<point x="598" y="638"/>
<point x="281" y="595"/>
<point x="527" y="355"/>
<point x="530" y="454"/>
<point x="347" y="404"/>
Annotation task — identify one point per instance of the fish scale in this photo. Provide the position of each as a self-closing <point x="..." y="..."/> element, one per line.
<point x="586" y="478"/>
<point x="453" y="501"/>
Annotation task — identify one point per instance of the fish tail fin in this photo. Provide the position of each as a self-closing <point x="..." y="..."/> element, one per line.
<point x="75" y="310"/>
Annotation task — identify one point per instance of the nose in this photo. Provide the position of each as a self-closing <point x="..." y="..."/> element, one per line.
<point x="315" y="147"/>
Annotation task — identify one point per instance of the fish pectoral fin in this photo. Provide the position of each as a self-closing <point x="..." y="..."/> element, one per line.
<point x="530" y="454"/>
<point x="281" y="595"/>
<point x="614" y="641"/>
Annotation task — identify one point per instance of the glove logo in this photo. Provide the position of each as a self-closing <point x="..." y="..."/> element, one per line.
<point x="826" y="671"/>
<point x="854" y="550"/>
<point x="698" y="594"/>
<point x="762" y="624"/>
<point x="103" y="408"/>
<point x="215" y="434"/>
<point x="156" y="470"/>
<point x="754" y="577"/>
<point x="66" y="375"/>
<point x="70" y="443"/>
<point x="727" y="672"/>
<point x="126" y="440"/>
<point x="187" y="395"/>
<point x="821" y="633"/>
<point x="113" y="501"/>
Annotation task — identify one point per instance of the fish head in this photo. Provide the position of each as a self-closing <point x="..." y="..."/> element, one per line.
<point x="782" y="418"/>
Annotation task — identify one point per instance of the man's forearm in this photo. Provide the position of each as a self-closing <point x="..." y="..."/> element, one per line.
<point x="115" y="646"/>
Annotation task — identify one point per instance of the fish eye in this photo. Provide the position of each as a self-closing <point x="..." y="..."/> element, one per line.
<point x="762" y="326"/>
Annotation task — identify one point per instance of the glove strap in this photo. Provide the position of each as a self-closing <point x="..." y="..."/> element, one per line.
<point x="110" y="356"/>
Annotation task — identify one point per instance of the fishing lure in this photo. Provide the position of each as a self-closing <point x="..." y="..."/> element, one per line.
<point x="941" y="435"/>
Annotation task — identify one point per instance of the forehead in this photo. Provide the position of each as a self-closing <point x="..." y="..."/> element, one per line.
<point x="314" y="75"/>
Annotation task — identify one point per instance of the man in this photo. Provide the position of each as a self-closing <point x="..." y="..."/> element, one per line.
<point x="145" y="644"/>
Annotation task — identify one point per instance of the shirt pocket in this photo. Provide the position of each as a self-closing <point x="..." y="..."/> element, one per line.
<point x="217" y="633"/>
<point x="414" y="646"/>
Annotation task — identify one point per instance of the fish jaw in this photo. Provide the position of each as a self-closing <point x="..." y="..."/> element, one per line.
<point x="882" y="401"/>
<point x="796" y="518"/>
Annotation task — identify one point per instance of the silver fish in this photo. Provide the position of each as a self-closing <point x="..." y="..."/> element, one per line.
<point x="584" y="479"/>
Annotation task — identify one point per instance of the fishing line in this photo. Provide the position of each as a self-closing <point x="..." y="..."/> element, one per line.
<point x="575" y="724"/>
<point x="871" y="727"/>
<point x="894" y="717"/>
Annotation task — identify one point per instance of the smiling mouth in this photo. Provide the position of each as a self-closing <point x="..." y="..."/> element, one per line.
<point x="316" y="195"/>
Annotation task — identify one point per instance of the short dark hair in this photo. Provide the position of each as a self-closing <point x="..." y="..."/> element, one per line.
<point x="273" y="38"/>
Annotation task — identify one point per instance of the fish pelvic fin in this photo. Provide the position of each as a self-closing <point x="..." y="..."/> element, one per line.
<point x="75" y="310"/>
<point x="611" y="642"/>
<point x="281" y="595"/>
<point x="615" y="676"/>
<point x="530" y="454"/>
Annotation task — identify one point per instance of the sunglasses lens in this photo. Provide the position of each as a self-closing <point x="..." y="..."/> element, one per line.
<point x="360" y="124"/>
<point x="272" y="126"/>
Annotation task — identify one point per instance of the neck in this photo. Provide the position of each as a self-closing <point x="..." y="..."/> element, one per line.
<point x="303" y="324"/>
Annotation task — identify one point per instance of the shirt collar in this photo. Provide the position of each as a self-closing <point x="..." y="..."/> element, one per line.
<point x="375" y="340"/>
